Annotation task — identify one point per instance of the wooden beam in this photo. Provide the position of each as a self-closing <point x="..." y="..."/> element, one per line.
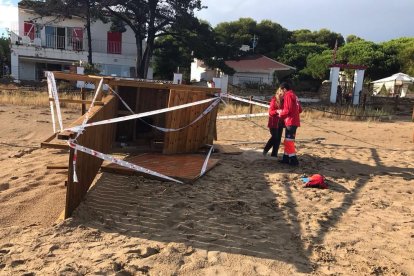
<point x="77" y="101"/>
<point x="78" y="77"/>
<point x="57" y="167"/>
<point x="114" y="81"/>
<point x="162" y="86"/>
<point x="50" y="138"/>
<point x="54" y="146"/>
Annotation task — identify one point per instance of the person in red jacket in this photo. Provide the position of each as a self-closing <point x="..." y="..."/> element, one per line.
<point x="274" y="124"/>
<point x="290" y="114"/>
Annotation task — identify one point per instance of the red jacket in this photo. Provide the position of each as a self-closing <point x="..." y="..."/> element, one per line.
<point x="291" y="109"/>
<point x="273" y="116"/>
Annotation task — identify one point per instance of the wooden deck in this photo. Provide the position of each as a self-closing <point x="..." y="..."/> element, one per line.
<point x="184" y="167"/>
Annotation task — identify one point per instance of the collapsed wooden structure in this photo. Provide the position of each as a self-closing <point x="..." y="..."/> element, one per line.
<point x="140" y="96"/>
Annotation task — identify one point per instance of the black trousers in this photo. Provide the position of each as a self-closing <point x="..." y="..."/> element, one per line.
<point x="274" y="141"/>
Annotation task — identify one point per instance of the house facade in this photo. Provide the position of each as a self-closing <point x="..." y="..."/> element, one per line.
<point x="57" y="44"/>
<point x="250" y="69"/>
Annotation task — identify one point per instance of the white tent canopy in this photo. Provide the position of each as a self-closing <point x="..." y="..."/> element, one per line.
<point x="396" y="84"/>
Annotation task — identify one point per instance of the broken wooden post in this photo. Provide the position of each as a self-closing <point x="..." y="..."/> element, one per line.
<point x="83" y="97"/>
<point x="251" y="105"/>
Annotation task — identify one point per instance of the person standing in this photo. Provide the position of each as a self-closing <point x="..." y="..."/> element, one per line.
<point x="290" y="114"/>
<point x="274" y="124"/>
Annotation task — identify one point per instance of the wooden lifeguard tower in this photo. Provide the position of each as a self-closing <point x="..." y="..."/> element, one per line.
<point x="172" y="151"/>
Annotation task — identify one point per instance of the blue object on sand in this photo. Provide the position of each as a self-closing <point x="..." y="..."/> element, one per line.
<point x="305" y="179"/>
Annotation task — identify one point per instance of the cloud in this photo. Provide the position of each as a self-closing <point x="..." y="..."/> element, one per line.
<point x="8" y="15"/>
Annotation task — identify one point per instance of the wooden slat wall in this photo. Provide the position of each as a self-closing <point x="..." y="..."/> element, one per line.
<point x="99" y="138"/>
<point x="197" y="135"/>
<point x="149" y="99"/>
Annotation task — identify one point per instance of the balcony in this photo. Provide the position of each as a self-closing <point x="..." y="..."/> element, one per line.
<point x="71" y="43"/>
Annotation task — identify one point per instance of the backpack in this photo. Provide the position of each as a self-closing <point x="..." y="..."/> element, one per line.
<point x="315" y="181"/>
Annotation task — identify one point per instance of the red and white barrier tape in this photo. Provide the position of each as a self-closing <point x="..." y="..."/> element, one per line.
<point x="140" y="115"/>
<point x="224" y="117"/>
<point x="205" y="112"/>
<point x="53" y="93"/>
<point x="244" y="100"/>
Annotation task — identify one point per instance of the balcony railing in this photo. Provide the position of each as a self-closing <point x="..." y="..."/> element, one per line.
<point x="70" y="43"/>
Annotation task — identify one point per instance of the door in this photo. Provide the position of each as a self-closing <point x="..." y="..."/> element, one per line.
<point x="60" y="38"/>
<point x="50" y="33"/>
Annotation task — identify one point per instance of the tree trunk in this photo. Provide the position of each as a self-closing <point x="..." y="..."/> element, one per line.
<point x="88" y="30"/>
<point x="138" y="41"/>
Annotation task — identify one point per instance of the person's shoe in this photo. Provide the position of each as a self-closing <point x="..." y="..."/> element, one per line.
<point x="264" y="153"/>
<point x="285" y="159"/>
<point x="293" y="161"/>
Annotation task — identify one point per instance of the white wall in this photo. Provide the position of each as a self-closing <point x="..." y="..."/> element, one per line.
<point x="200" y="72"/>
<point x="240" y="78"/>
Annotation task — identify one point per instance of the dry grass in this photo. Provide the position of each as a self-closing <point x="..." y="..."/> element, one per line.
<point x="349" y="113"/>
<point x="39" y="99"/>
<point x="235" y="109"/>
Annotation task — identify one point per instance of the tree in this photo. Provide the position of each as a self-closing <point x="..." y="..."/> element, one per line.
<point x="380" y="61"/>
<point x="149" y="19"/>
<point x="296" y="54"/>
<point x="271" y="36"/>
<point x="318" y="65"/>
<point x="4" y="54"/>
<point x="352" y="38"/>
<point x="323" y="36"/>
<point x="199" y="42"/>
<point x="404" y="51"/>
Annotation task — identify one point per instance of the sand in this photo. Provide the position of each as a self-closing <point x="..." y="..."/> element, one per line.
<point x="247" y="216"/>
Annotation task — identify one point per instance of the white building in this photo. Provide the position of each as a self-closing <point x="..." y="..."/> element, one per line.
<point x="45" y="43"/>
<point x="250" y="69"/>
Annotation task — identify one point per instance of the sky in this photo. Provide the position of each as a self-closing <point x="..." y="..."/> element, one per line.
<point x="373" y="20"/>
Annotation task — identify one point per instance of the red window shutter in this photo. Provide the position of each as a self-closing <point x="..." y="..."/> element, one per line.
<point x="29" y="29"/>
<point x="77" y="37"/>
<point x="114" y="43"/>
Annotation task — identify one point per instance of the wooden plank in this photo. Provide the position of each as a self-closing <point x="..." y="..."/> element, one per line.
<point x="98" y="103"/>
<point x="54" y="146"/>
<point x="184" y="167"/>
<point x="53" y="136"/>
<point x="65" y="135"/>
<point x="57" y="167"/>
<point x="99" y="138"/>
<point x="77" y="77"/>
<point x="135" y="83"/>
<point x="114" y="81"/>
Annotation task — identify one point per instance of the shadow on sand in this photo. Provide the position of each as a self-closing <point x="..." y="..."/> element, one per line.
<point x="246" y="205"/>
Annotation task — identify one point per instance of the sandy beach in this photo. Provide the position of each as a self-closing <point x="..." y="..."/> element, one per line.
<point x="249" y="215"/>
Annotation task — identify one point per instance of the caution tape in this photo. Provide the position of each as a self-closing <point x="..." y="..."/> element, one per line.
<point x="52" y="90"/>
<point x="205" y="112"/>
<point x="244" y="100"/>
<point x="122" y="163"/>
<point x="224" y="117"/>
<point x="140" y="115"/>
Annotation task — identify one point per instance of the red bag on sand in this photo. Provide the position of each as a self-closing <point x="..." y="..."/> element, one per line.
<point x="315" y="181"/>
